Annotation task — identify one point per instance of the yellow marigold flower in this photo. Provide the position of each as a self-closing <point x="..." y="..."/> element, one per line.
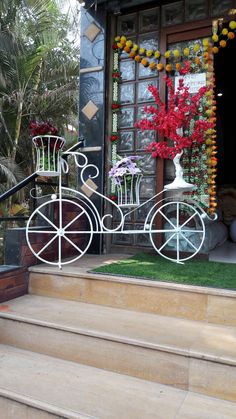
<point x="160" y="67"/>
<point x="178" y="66"/>
<point x="176" y="53"/>
<point x="152" y="65"/>
<point x="209" y="112"/>
<point x="117" y="38"/>
<point x="142" y="51"/>
<point x="144" y="62"/>
<point x="232" y="24"/>
<point x="119" y="45"/>
<point x="215" y="50"/>
<point x="215" y="37"/>
<point x="157" y="54"/>
<point x="123" y="39"/>
<point x="205" y="42"/>
<point x="167" y="54"/>
<point x="224" y="31"/>
<point x="137" y="58"/>
<point x="129" y="44"/>
<point x="135" y="47"/>
<point x="186" y="52"/>
<point x="209" y="103"/>
<point x="196" y="47"/>
<point x="168" y="67"/>
<point x="231" y="35"/>
<point x="149" y="52"/>
<point x="223" y="43"/>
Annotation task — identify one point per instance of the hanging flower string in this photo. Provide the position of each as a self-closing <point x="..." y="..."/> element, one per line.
<point x="151" y="57"/>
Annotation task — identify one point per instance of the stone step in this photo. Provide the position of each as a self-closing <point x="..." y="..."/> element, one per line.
<point x="184" y="301"/>
<point x="186" y="354"/>
<point x="42" y="387"/>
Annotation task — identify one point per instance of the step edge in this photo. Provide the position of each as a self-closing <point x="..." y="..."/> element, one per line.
<point x="138" y="281"/>
<point x="41" y="405"/>
<point x="189" y="353"/>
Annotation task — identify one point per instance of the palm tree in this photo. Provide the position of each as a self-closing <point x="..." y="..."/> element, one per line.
<point x="38" y="71"/>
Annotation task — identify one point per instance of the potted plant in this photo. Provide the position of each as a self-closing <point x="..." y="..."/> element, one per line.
<point x="180" y="126"/>
<point x="126" y="174"/>
<point x="48" y="146"/>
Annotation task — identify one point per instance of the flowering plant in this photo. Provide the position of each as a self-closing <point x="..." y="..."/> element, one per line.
<point x="42" y="128"/>
<point x="124" y="166"/>
<point x="182" y="123"/>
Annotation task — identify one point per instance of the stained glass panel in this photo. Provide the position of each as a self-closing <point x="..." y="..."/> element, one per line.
<point x="172" y="14"/>
<point x="126" y="142"/>
<point x="127" y="68"/>
<point x="144" y="138"/>
<point x="127" y="94"/>
<point x="196" y="9"/>
<point x="220" y="7"/>
<point x="125" y="239"/>
<point x="147" y="187"/>
<point x="126" y="117"/>
<point x="141" y="239"/>
<point x="127" y="24"/>
<point x="149" y="20"/>
<point x="147" y="163"/>
<point x="144" y="95"/>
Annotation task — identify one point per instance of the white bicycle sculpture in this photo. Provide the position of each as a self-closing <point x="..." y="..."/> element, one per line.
<point x="175" y="227"/>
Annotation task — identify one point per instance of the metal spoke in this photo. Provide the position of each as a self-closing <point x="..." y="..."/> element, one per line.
<point x="177" y="247"/>
<point x="167" y="241"/>
<point x="76" y="218"/>
<point x="42" y="231"/>
<point x="47" y="219"/>
<point x="73" y="244"/>
<point x="190" y="218"/>
<point x="191" y="231"/>
<point x="167" y="219"/>
<point x="46" y="245"/>
<point x="188" y="241"/>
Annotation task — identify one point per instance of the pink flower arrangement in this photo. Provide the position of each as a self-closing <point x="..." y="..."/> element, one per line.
<point x="180" y="125"/>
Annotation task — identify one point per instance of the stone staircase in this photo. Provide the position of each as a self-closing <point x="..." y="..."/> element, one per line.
<point x="85" y="345"/>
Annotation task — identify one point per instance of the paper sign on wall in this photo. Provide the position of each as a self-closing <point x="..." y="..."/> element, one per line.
<point x="193" y="81"/>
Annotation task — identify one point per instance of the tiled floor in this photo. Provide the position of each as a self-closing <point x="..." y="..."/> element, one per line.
<point x="225" y="253"/>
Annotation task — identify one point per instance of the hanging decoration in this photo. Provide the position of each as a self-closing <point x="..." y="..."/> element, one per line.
<point x="200" y="161"/>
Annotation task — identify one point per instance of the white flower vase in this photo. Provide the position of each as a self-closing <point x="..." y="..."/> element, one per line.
<point x="179" y="182"/>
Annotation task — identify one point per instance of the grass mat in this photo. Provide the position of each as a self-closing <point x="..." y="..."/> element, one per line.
<point x="203" y="273"/>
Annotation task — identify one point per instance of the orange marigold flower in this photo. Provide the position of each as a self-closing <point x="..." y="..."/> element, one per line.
<point x="231" y="35"/>
<point x="144" y="62"/>
<point x="168" y="67"/>
<point x="223" y="43"/>
<point x="197" y="60"/>
<point x="137" y="58"/>
<point x="152" y="65"/>
<point x="215" y="50"/>
<point x="132" y="54"/>
<point x="206" y="55"/>
<point x="126" y="49"/>
<point x="178" y="66"/>
<point x="159" y="67"/>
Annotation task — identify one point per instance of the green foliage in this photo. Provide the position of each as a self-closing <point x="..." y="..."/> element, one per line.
<point x="156" y="268"/>
<point x="38" y="72"/>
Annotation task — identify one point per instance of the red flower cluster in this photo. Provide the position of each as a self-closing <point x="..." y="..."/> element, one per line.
<point x="42" y="128"/>
<point x="115" y="106"/>
<point x="114" y="137"/>
<point x="180" y="123"/>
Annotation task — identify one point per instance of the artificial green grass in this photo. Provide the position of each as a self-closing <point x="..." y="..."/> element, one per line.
<point x="203" y="273"/>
